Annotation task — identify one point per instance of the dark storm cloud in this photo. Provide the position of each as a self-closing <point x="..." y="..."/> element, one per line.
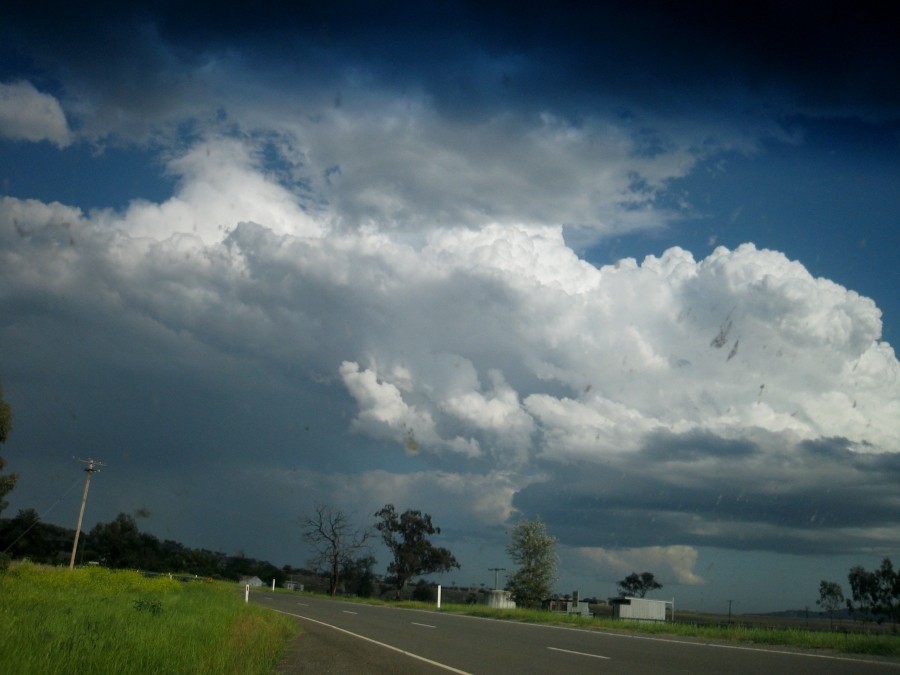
<point x="469" y="56"/>
<point x="817" y="497"/>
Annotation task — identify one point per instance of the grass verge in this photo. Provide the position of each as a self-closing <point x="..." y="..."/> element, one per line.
<point x="847" y="643"/>
<point x="93" y="620"/>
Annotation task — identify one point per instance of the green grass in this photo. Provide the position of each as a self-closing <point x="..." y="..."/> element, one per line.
<point x="93" y="620"/>
<point x="853" y="643"/>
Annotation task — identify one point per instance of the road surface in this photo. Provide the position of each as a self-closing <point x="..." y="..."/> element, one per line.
<point x="343" y="637"/>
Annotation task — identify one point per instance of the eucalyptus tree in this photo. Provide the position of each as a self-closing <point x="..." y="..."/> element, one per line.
<point x="638" y="585"/>
<point x="534" y="551"/>
<point x="406" y="537"/>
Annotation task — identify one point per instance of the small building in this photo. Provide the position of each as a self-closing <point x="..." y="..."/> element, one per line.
<point x="499" y="599"/>
<point x="642" y="609"/>
<point x="568" y="606"/>
<point x="250" y="581"/>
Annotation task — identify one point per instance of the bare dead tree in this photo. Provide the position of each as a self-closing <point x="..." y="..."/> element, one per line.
<point x="335" y="541"/>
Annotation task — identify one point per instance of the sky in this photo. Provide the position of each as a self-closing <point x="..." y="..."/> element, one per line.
<point x="630" y="268"/>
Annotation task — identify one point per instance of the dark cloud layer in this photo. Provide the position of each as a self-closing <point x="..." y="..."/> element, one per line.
<point x="828" y="56"/>
<point x="818" y="497"/>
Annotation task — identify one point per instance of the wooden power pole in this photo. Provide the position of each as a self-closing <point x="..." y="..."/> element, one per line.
<point x="91" y="467"/>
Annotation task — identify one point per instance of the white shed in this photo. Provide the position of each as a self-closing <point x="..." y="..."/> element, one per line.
<point x="499" y="599"/>
<point x="641" y="609"/>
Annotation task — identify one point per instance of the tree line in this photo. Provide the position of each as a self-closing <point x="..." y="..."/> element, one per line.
<point x="342" y="549"/>
<point x="120" y="544"/>
<point x="874" y="594"/>
<point x="342" y="553"/>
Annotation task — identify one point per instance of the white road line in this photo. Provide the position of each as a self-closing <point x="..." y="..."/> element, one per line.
<point x="380" y="644"/>
<point x="303" y="604"/>
<point x="569" y="651"/>
<point x="424" y="625"/>
<point x="767" y="650"/>
<point x="698" y="643"/>
<point x="349" y="612"/>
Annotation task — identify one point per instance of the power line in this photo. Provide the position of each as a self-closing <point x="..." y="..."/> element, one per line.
<point x="41" y="516"/>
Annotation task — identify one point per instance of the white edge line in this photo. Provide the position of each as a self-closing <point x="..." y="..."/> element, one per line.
<point x="569" y="651"/>
<point x="691" y="643"/>
<point x="634" y="636"/>
<point x="380" y="644"/>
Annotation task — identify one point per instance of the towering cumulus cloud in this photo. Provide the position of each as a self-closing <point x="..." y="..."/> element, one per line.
<point x="664" y="402"/>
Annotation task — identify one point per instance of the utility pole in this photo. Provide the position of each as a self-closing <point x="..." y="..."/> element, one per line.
<point x="496" y="571"/>
<point x="91" y="467"/>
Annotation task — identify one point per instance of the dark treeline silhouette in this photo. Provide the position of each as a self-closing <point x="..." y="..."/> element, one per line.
<point x="874" y="594"/>
<point x="120" y="544"/>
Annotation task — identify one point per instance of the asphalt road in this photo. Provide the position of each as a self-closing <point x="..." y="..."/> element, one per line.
<point x="342" y="637"/>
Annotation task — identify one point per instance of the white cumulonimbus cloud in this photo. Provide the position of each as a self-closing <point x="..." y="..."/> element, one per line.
<point x="500" y="333"/>
<point x="493" y="350"/>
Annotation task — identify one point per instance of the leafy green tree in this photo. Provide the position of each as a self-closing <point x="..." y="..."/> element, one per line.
<point x="334" y="540"/>
<point x="876" y="594"/>
<point x="26" y="536"/>
<point x="406" y="537"/>
<point x="864" y="592"/>
<point x="358" y="576"/>
<point x="121" y="544"/>
<point x="424" y="591"/>
<point x="831" y="596"/>
<point x="8" y="481"/>
<point x="638" y="585"/>
<point x="534" y="551"/>
<point x="889" y="590"/>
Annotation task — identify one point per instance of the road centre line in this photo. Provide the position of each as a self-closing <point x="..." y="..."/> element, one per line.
<point x="380" y="644"/>
<point x="569" y="651"/>
<point x="697" y="643"/>
<point x="424" y="625"/>
<point x="672" y="640"/>
<point x="347" y="611"/>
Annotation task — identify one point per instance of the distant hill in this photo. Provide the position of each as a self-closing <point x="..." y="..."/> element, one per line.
<point x="807" y="613"/>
